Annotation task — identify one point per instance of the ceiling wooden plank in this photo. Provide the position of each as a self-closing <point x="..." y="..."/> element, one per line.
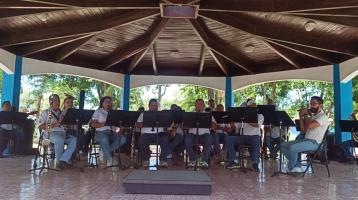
<point x="218" y="45"/>
<point x="71" y="47"/>
<point x="153" y="36"/>
<point x="154" y="60"/>
<point x="202" y="59"/>
<point x="275" y="5"/>
<point x="112" y="4"/>
<point x="8" y="13"/>
<point x="318" y="55"/>
<point x="283" y="53"/>
<point x="347" y="20"/>
<point x="258" y="26"/>
<point x="16" y="4"/>
<point x="86" y="27"/>
<point x="42" y="46"/>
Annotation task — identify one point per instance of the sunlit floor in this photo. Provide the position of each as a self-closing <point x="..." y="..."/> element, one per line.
<point x="17" y="183"/>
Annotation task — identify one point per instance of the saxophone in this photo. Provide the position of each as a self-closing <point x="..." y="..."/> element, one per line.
<point x="46" y="141"/>
<point x="355" y="134"/>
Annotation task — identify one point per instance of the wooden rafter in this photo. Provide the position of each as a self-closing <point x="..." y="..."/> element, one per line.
<point x="8" y="13"/>
<point x="42" y="46"/>
<point x="219" y="46"/>
<point x="283" y="53"/>
<point x="153" y="36"/>
<point x="68" y="49"/>
<point x="154" y="59"/>
<point x="16" y="4"/>
<point x="274" y="5"/>
<point x="220" y="61"/>
<point x="265" y="28"/>
<point x="202" y="59"/>
<point x="84" y="28"/>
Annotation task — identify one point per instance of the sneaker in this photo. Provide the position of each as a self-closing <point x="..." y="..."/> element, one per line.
<point x="297" y="170"/>
<point x="191" y="164"/>
<point x="146" y="163"/>
<point x="233" y="165"/>
<point x="163" y="164"/>
<point x="204" y="165"/>
<point x="109" y="163"/>
<point x="169" y="156"/>
<point x="256" y="167"/>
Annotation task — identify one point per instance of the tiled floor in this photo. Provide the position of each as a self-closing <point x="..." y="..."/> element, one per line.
<point x="17" y="183"/>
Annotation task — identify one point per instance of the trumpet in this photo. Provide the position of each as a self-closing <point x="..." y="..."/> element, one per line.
<point x="173" y="129"/>
<point x="310" y="111"/>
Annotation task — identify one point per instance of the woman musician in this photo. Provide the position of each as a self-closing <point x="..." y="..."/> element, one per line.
<point x="176" y="134"/>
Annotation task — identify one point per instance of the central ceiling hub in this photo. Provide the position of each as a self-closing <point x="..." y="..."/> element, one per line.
<point x="168" y="10"/>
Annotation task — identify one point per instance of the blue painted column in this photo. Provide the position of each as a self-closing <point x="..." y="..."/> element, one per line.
<point x="11" y="84"/>
<point x="126" y="92"/>
<point x="229" y="97"/>
<point x="343" y="104"/>
<point x="81" y="103"/>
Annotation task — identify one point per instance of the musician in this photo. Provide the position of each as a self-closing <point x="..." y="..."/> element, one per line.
<point x="107" y="136"/>
<point x="204" y="138"/>
<point x="177" y="138"/>
<point x="313" y="123"/>
<point x="148" y="136"/>
<point x="211" y="107"/>
<point x="222" y="134"/>
<point x="57" y="133"/>
<point x="250" y="136"/>
<point x="7" y="129"/>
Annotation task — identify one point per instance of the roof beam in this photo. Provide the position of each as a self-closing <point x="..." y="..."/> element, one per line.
<point x="154" y="60"/>
<point x="86" y="27"/>
<point x="112" y="4"/>
<point x="202" y="59"/>
<point x="283" y="53"/>
<point x="220" y="61"/>
<point x="8" y="13"/>
<point x="260" y="24"/>
<point x="216" y="44"/>
<point x="152" y="36"/>
<point x="71" y="47"/>
<point x="42" y="46"/>
<point x="274" y="5"/>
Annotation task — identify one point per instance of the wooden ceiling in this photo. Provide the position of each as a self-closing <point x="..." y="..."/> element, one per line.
<point x="227" y="38"/>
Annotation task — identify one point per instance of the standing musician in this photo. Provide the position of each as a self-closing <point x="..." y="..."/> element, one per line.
<point x="222" y="134"/>
<point x="250" y="136"/>
<point x="57" y="133"/>
<point x="108" y="137"/>
<point x="176" y="134"/>
<point x="7" y="129"/>
<point x="313" y="123"/>
<point x="204" y="138"/>
<point x="148" y="136"/>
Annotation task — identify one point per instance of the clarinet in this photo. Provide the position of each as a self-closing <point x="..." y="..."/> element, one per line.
<point x="133" y="147"/>
<point x="46" y="141"/>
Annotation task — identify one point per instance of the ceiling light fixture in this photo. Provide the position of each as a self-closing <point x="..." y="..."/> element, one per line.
<point x="175" y="53"/>
<point x="43" y="18"/>
<point x="100" y="43"/>
<point x="310" y="25"/>
<point x="249" y="48"/>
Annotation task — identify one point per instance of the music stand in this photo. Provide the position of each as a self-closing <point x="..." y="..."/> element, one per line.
<point x="281" y="118"/>
<point x="348" y="125"/>
<point x="121" y="119"/>
<point x="11" y="117"/>
<point x="156" y="119"/>
<point x="197" y="120"/>
<point x="80" y="117"/>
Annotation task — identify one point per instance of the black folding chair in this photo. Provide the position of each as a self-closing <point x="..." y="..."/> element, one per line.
<point x="312" y="155"/>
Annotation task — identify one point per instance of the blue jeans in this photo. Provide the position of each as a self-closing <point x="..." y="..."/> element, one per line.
<point x="5" y="135"/>
<point x="273" y="144"/>
<point x="177" y="140"/>
<point x="291" y="150"/>
<point x="146" y="139"/>
<point x="253" y="140"/>
<point x="204" y="139"/>
<point x="58" y="138"/>
<point x="217" y="139"/>
<point x="109" y="142"/>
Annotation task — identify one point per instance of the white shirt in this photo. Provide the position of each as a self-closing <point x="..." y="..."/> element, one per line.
<point x="148" y="130"/>
<point x="54" y="119"/>
<point x="227" y="125"/>
<point x="201" y="131"/>
<point x="250" y="130"/>
<point x="100" y="115"/>
<point x="318" y="133"/>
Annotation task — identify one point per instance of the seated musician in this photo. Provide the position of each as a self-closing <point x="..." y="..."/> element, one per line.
<point x="7" y="129"/>
<point x="83" y="139"/>
<point x="211" y="107"/>
<point x="222" y="134"/>
<point x="58" y="134"/>
<point x="108" y="137"/>
<point x="148" y="136"/>
<point x="313" y="123"/>
<point x="177" y="135"/>
<point x="250" y="136"/>
<point x="204" y="138"/>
